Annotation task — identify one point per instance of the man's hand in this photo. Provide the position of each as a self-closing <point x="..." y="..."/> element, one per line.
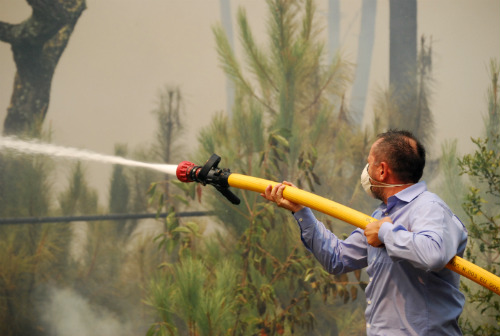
<point x="371" y="231"/>
<point x="276" y="195"/>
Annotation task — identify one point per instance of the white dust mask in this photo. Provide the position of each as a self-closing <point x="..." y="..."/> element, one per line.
<point x="367" y="185"/>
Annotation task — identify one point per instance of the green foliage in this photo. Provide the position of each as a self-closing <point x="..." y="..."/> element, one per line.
<point x="193" y="297"/>
<point x="482" y="206"/>
<point x="30" y="255"/>
<point x="288" y="123"/>
<point x="24" y="196"/>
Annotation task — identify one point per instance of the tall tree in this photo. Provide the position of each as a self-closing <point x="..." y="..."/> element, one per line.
<point x="402" y="42"/>
<point x="119" y="189"/>
<point x="168" y="113"/>
<point x="119" y="193"/>
<point x="364" y="58"/>
<point x="37" y="45"/>
<point x="333" y="27"/>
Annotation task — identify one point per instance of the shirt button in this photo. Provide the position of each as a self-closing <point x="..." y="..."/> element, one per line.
<point x="368" y="325"/>
<point x="300" y="219"/>
<point x="369" y="301"/>
<point x="371" y="279"/>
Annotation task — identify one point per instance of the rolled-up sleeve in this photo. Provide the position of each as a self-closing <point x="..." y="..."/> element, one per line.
<point x="431" y="240"/>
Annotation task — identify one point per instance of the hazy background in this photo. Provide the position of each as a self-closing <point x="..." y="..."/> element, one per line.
<point x="123" y="52"/>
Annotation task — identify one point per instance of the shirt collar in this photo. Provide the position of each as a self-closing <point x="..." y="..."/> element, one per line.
<point x="408" y="194"/>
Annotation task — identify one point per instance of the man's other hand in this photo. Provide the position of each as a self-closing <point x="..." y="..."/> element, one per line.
<point x="371" y="231"/>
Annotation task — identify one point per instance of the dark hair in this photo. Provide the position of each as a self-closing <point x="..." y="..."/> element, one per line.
<point x="404" y="154"/>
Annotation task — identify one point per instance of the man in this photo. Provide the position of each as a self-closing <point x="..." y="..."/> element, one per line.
<point x="410" y="292"/>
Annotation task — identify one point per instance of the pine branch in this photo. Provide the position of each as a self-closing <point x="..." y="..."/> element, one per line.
<point x="333" y="77"/>
<point x="256" y="58"/>
<point x="231" y="66"/>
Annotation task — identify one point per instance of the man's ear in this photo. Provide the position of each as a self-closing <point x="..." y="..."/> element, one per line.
<point x="383" y="171"/>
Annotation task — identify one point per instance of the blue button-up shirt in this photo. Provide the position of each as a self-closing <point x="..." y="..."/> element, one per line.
<point x="409" y="291"/>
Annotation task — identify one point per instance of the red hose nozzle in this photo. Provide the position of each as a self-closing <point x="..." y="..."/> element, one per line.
<point x="183" y="171"/>
<point x="208" y="174"/>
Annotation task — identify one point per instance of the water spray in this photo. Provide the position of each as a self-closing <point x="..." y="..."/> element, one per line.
<point x="222" y="179"/>
<point x="41" y="148"/>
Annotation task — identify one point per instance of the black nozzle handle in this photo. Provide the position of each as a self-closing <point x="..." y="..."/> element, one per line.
<point x="211" y="164"/>
<point x="229" y="195"/>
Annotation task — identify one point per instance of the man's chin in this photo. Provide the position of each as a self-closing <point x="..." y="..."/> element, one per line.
<point x="377" y="192"/>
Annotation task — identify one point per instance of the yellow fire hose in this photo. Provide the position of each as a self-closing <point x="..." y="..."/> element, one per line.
<point x="351" y="216"/>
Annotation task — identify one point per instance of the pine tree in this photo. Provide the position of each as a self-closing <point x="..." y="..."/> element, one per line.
<point x="119" y="192"/>
<point x="288" y="122"/>
<point x="30" y="254"/>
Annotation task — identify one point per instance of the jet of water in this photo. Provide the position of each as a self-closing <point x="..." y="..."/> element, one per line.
<point x="37" y="147"/>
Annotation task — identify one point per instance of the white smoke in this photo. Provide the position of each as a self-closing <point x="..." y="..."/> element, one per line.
<point x="68" y="313"/>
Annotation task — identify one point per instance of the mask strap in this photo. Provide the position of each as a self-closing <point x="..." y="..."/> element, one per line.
<point x="382" y="184"/>
<point x="387" y="185"/>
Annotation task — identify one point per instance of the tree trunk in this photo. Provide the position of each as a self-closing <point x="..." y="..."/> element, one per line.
<point x="333" y="27"/>
<point x="403" y="42"/>
<point x="37" y="45"/>
<point x="364" y="60"/>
